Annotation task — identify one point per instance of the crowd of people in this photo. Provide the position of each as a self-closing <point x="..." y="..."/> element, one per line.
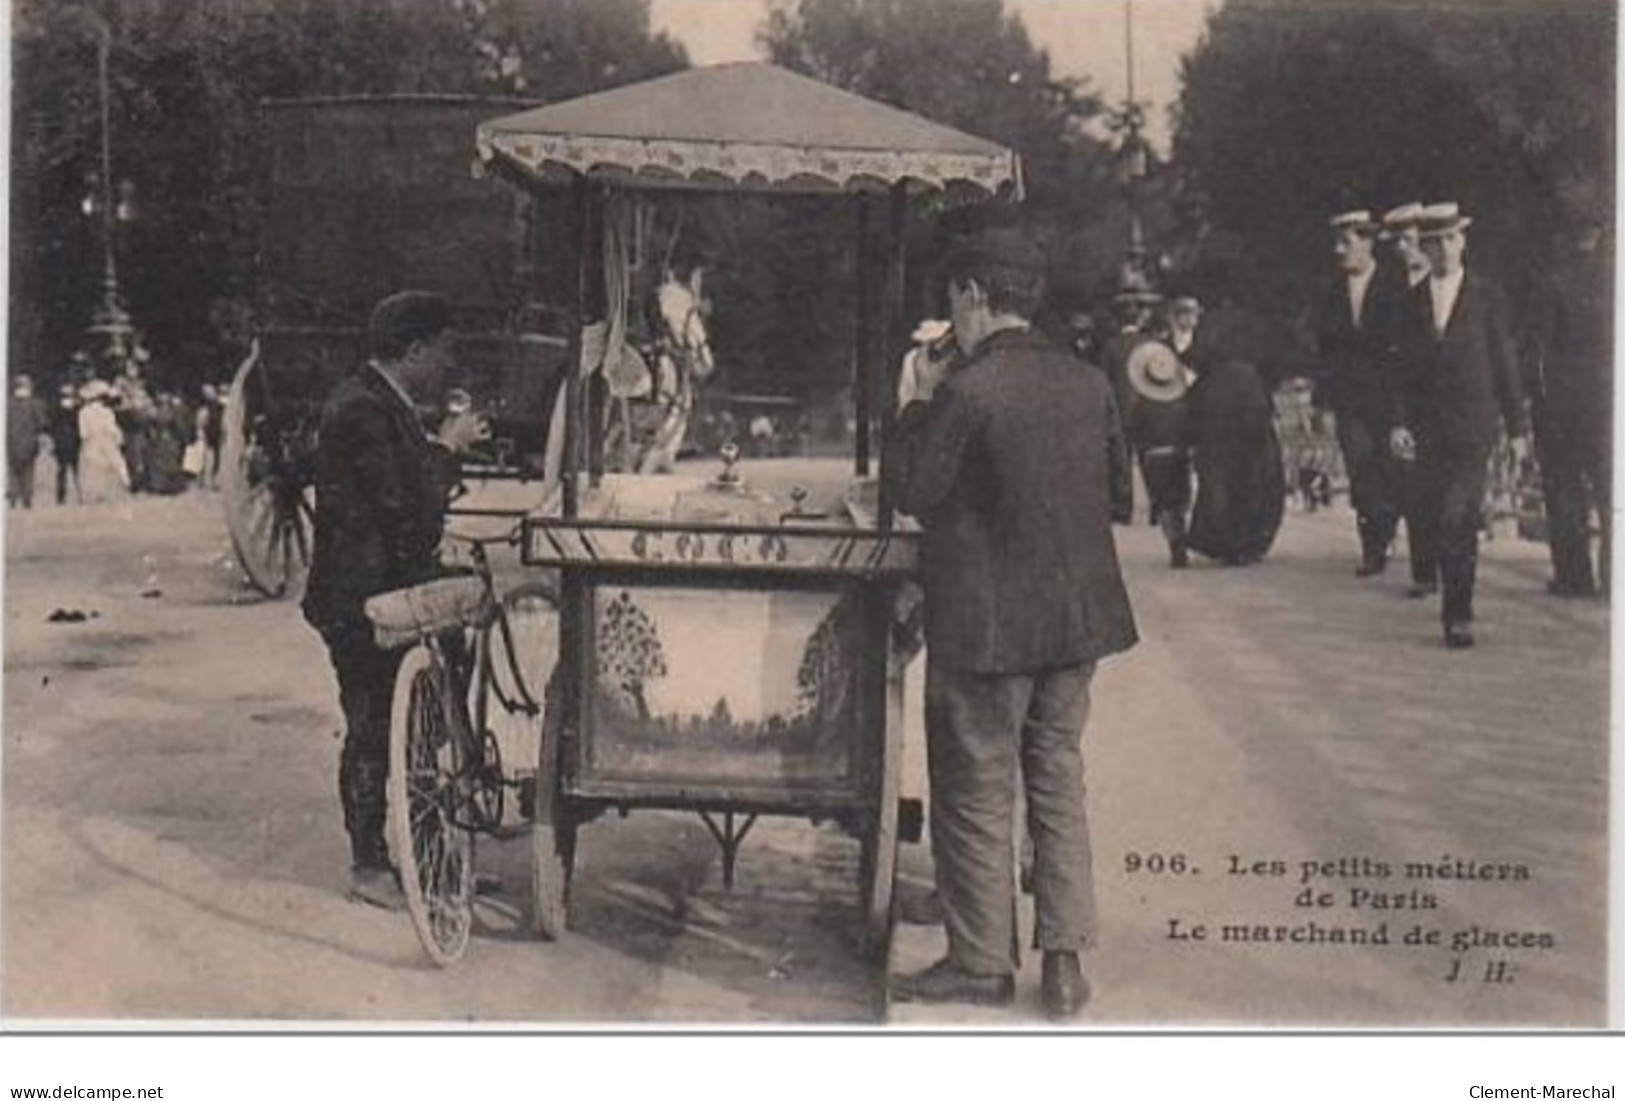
<point x="1429" y="371"/>
<point x="109" y="437"/>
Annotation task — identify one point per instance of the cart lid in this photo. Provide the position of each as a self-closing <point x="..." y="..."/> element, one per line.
<point x="745" y="125"/>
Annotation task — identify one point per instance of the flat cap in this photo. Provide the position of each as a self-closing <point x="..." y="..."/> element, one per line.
<point x="1003" y="246"/>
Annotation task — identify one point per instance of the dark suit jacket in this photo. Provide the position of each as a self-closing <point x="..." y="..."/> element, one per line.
<point x="381" y="495"/>
<point x="1356" y="362"/>
<point x="1008" y="469"/>
<point x="1452" y="388"/>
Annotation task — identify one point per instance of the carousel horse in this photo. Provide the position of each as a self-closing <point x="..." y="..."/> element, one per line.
<point x="648" y="425"/>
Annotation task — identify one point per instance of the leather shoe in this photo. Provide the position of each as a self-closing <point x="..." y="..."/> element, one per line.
<point x="1063" y="988"/>
<point x="946" y="981"/>
<point x="380" y="887"/>
<point x="1421" y="590"/>
<point x="1371" y="567"/>
<point x="1458" y="636"/>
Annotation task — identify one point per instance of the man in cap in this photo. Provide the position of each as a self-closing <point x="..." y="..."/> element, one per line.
<point x="1401" y="230"/>
<point x="1353" y="344"/>
<point x="1006" y="462"/>
<point x="1458" y="376"/>
<point x="381" y="492"/>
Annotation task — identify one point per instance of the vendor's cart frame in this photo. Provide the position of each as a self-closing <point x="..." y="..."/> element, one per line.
<point x="597" y="146"/>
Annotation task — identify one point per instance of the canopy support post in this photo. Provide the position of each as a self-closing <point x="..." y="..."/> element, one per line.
<point x="579" y="201"/>
<point x="863" y="351"/>
<point x="891" y="326"/>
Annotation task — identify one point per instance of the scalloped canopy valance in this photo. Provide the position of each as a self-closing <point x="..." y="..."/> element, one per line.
<point x="746" y="125"/>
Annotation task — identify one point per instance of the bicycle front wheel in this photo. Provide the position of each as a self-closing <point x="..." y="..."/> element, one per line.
<point x="426" y="768"/>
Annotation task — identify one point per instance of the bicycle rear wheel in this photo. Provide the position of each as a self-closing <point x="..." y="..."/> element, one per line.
<point x="426" y="767"/>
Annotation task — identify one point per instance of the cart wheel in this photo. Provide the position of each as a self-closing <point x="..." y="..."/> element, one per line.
<point x="552" y="834"/>
<point x="435" y="855"/>
<point x="879" y="857"/>
<point x="268" y="509"/>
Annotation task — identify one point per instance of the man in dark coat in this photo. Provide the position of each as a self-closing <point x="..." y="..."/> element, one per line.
<point x="1354" y="347"/>
<point x="1158" y="429"/>
<point x="25" y="424"/>
<point x="1407" y="270"/>
<point x="381" y="492"/>
<point x="1132" y="313"/>
<point x="1007" y="464"/>
<point x="1570" y="375"/>
<point x="1458" y="376"/>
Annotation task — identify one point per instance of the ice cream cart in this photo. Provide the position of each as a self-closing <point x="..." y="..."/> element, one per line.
<point x="732" y="636"/>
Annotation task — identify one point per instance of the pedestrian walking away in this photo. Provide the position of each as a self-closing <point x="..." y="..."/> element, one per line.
<point x="103" y="473"/>
<point x="1459" y="376"/>
<point x="25" y="424"/>
<point x="382" y="487"/>
<point x="1158" y="429"/>
<point x="65" y="442"/>
<point x="1007" y="465"/>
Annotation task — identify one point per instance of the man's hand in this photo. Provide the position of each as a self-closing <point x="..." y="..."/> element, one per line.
<point x="929" y="372"/>
<point x="460" y="431"/>
<point x="1402" y="444"/>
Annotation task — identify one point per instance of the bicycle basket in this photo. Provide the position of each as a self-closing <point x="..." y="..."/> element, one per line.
<point x="405" y="616"/>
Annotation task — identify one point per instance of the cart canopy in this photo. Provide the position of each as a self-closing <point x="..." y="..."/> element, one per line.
<point x="745" y="125"/>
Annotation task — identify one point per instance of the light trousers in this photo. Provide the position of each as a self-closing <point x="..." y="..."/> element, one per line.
<point x="985" y="733"/>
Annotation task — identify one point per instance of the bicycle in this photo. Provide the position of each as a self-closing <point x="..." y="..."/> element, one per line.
<point x="447" y="784"/>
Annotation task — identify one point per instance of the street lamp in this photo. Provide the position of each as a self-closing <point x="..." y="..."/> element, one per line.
<point x="1133" y="155"/>
<point x="110" y="321"/>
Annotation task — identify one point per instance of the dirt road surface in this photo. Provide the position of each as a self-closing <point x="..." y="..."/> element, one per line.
<point x="172" y="847"/>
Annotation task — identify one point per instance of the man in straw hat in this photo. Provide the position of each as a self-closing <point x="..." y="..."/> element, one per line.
<point x="1353" y="341"/>
<point x="1158" y="431"/>
<point x="381" y="495"/>
<point x="1457" y="376"/>
<point x="1007" y="464"/>
<point x="1407" y="270"/>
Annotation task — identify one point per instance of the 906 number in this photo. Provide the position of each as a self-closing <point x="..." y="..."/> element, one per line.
<point x="1157" y="863"/>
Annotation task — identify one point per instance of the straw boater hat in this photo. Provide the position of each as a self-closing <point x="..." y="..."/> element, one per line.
<point x="1400" y="218"/>
<point x="1155" y="372"/>
<point x="95" y="390"/>
<point x="931" y="330"/>
<point x="1358" y="220"/>
<point x="1442" y="218"/>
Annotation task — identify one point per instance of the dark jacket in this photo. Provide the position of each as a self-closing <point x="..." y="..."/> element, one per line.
<point x="1355" y="362"/>
<point x="381" y="494"/>
<point x="1008" y="469"/>
<point x="1452" y="389"/>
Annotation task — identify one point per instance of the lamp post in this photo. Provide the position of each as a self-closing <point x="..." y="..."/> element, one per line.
<point x="110" y="321"/>
<point x="1133" y="158"/>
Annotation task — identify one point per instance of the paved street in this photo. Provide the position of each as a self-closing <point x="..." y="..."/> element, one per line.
<point x="172" y="845"/>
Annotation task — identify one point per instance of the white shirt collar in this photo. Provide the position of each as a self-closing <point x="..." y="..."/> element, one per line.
<point x="1358" y="284"/>
<point x="1445" y="289"/>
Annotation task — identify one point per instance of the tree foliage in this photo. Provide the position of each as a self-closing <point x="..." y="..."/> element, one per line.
<point x="186" y="81"/>
<point x="1294" y="109"/>
<point x="965" y="63"/>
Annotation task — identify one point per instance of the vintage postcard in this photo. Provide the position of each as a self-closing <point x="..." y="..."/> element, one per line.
<point x="1221" y="386"/>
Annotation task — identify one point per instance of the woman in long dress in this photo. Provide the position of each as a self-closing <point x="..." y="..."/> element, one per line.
<point x="1241" y="486"/>
<point x="103" y="474"/>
